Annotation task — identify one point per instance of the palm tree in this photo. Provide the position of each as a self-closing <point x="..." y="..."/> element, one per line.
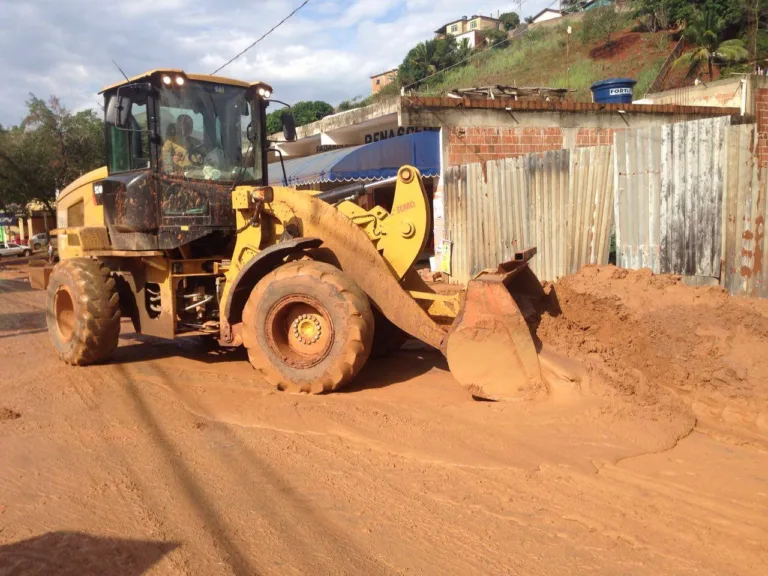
<point x="705" y="32"/>
<point x="425" y="57"/>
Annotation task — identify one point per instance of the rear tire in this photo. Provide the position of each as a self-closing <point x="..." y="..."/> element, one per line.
<point x="388" y="338"/>
<point x="83" y="311"/>
<point x="307" y="327"/>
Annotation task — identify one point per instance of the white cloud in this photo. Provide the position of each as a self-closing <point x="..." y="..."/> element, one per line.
<point x="327" y="51"/>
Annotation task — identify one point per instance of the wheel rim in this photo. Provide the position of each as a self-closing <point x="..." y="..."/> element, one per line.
<point x="300" y="331"/>
<point x="64" y="309"/>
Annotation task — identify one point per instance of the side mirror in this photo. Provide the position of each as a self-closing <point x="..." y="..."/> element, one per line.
<point x="289" y="126"/>
<point x="119" y="106"/>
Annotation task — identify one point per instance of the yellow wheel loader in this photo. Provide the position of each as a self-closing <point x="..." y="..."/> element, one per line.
<point x="181" y="233"/>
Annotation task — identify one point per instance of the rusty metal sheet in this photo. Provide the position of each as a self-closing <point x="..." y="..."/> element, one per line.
<point x="669" y="196"/>
<point x="744" y="251"/>
<point x="559" y="201"/>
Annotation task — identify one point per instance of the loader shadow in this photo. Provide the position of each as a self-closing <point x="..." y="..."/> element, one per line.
<point x="544" y="304"/>
<point x="398" y="367"/>
<point x="195" y="348"/>
<point x="76" y="553"/>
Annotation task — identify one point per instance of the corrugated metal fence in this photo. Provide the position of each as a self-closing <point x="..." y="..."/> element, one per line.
<point x="688" y="201"/>
<point x="559" y="201"/>
<point x="669" y="192"/>
<point x="745" y="258"/>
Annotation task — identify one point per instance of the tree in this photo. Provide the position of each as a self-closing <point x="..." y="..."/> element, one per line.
<point x="48" y="150"/>
<point x="529" y="19"/>
<point x="492" y="37"/>
<point x="427" y="58"/>
<point x="511" y="20"/>
<point x="705" y="32"/>
<point x="665" y="13"/>
<point x="304" y="112"/>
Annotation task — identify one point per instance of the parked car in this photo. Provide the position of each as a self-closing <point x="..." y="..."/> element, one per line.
<point x="11" y="249"/>
<point x="39" y="241"/>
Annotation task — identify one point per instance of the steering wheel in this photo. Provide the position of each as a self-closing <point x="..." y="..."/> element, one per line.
<point x="197" y="154"/>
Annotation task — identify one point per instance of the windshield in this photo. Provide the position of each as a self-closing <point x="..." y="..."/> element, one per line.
<point x="203" y="128"/>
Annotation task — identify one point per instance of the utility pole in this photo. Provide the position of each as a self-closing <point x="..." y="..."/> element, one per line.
<point x="755" y="26"/>
<point x="568" y="59"/>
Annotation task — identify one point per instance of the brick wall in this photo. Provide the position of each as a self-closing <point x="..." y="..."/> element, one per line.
<point x="469" y="144"/>
<point x="586" y="137"/>
<point x="761" y="112"/>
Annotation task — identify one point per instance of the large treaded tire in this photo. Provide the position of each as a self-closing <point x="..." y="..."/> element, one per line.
<point x="347" y="308"/>
<point x="90" y="332"/>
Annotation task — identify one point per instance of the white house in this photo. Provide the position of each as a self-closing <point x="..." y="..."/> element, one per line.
<point x="546" y="14"/>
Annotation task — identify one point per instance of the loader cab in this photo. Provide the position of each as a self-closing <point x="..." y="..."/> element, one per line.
<point x="176" y="146"/>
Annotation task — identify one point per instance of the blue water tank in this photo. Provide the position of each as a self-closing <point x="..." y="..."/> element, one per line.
<point x="613" y="91"/>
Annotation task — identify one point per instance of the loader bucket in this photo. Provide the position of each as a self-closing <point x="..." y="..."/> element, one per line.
<point x="489" y="348"/>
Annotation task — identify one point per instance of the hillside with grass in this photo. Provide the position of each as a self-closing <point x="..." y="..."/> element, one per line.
<point x="717" y="38"/>
<point x="538" y="58"/>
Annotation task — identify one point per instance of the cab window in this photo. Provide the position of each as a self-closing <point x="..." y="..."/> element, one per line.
<point x="128" y="148"/>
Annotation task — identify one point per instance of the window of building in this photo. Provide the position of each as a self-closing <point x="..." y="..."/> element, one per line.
<point x="454" y="28"/>
<point x="474" y="24"/>
<point x="378" y="81"/>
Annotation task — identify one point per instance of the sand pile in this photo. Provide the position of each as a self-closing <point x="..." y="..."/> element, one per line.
<point x="648" y="337"/>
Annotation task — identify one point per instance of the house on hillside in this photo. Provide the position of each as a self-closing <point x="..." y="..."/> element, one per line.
<point x="592" y="4"/>
<point x="378" y="81"/>
<point x="545" y="15"/>
<point x="468" y="28"/>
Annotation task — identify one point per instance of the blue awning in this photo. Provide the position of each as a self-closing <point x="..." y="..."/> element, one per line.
<point x="374" y="161"/>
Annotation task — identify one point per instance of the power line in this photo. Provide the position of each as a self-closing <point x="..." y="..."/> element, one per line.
<point x="275" y="27"/>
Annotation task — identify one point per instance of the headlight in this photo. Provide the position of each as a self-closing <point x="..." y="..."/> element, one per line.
<point x="180" y="80"/>
<point x="261" y="92"/>
<point x="267" y="93"/>
<point x="167" y="80"/>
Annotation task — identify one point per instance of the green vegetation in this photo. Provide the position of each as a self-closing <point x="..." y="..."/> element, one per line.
<point x="705" y="32"/>
<point x="600" y="24"/>
<point x="48" y="150"/>
<point x="303" y="113"/>
<point x="511" y="20"/>
<point x="427" y="58"/>
<point x="538" y="58"/>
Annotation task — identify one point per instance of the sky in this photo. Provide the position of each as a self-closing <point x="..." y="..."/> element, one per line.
<point x="327" y="51"/>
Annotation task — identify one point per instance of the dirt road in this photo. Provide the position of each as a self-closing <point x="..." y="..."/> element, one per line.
<point x="649" y="455"/>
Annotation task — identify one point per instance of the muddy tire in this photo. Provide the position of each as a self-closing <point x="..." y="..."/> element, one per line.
<point x="83" y="311"/>
<point x="307" y="327"/>
<point x="387" y="338"/>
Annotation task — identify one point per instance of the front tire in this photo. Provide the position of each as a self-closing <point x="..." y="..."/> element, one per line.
<point x="307" y="327"/>
<point x="83" y="311"/>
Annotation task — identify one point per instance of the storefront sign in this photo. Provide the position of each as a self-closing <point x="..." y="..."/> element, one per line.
<point x="395" y="132"/>
<point x="7" y="219"/>
<point x="329" y="147"/>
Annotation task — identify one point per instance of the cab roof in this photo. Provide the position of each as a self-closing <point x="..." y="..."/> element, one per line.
<point x="198" y="77"/>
